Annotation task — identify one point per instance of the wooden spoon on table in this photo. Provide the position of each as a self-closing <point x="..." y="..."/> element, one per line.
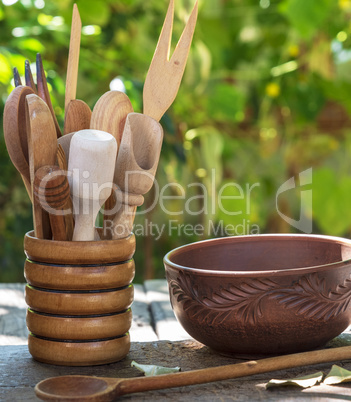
<point x="15" y="132"/>
<point x="42" y="147"/>
<point x="77" y="112"/>
<point x="85" y="388"/>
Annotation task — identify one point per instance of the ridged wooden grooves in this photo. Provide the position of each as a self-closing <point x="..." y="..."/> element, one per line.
<point x="79" y="296"/>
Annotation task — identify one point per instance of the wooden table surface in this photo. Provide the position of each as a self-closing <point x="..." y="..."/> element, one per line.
<point x="157" y="338"/>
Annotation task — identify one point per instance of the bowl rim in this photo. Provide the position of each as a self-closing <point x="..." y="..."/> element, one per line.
<point x="244" y="238"/>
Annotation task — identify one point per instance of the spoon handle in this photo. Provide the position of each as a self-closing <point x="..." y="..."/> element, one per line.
<point x="231" y="371"/>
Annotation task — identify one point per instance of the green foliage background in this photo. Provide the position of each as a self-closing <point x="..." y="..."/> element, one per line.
<point x="266" y="94"/>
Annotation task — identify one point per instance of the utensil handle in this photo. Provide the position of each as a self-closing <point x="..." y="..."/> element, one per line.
<point x="58" y="227"/>
<point x="231" y="371"/>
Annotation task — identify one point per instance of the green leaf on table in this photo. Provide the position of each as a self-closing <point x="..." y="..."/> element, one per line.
<point x="337" y="375"/>
<point x="306" y="381"/>
<point x="151" y="369"/>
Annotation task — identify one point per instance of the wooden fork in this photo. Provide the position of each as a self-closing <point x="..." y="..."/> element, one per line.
<point x="41" y="88"/>
<point x="165" y="74"/>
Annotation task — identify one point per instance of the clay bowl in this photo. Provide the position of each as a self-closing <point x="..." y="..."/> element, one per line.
<point x="252" y="296"/>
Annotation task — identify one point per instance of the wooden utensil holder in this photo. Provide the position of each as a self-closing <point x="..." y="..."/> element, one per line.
<point x="79" y="296"/>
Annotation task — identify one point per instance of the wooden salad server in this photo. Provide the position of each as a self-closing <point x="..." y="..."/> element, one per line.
<point x="77" y="112"/>
<point x="15" y="132"/>
<point x="165" y="74"/>
<point x="85" y="388"/>
<point x="42" y="147"/>
<point x="51" y="189"/>
<point x="91" y="167"/>
<point x="135" y="170"/>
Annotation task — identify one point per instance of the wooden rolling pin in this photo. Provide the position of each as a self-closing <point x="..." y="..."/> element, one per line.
<point x="91" y="165"/>
<point x="51" y="190"/>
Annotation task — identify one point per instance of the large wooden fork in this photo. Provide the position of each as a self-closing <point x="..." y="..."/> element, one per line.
<point x="165" y="74"/>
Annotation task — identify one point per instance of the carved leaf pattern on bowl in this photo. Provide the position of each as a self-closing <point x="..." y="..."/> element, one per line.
<point x="308" y="297"/>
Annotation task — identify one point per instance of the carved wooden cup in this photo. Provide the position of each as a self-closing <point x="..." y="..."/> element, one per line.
<point x="252" y="296"/>
<point x="79" y="296"/>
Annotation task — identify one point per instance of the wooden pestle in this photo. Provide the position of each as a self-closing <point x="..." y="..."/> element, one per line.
<point x="51" y="190"/>
<point x="135" y="170"/>
<point x="91" y="167"/>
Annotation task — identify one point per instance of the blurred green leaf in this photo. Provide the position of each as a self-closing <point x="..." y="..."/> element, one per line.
<point x="226" y="103"/>
<point x="307" y="16"/>
<point x="330" y="201"/>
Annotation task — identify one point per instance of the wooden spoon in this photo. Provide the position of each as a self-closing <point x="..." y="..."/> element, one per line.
<point x="110" y="113"/>
<point x="85" y="388"/>
<point x="77" y="116"/>
<point x="42" y="147"/>
<point x="52" y="191"/>
<point x="77" y="112"/>
<point x="15" y="132"/>
<point x="135" y="170"/>
<point x="91" y="166"/>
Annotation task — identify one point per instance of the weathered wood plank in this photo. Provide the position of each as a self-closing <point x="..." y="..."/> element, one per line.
<point x="166" y="325"/>
<point x="141" y="330"/>
<point x="19" y="373"/>
<point x="13" y="330"/>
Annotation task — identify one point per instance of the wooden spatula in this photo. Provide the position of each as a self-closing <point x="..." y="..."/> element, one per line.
<point x="77" y="112"/>
<point x="165" y="74"/>
<point x="42" y="147"/>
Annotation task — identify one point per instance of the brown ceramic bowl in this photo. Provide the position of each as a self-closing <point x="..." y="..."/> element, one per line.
<point x="262" y="295"/>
